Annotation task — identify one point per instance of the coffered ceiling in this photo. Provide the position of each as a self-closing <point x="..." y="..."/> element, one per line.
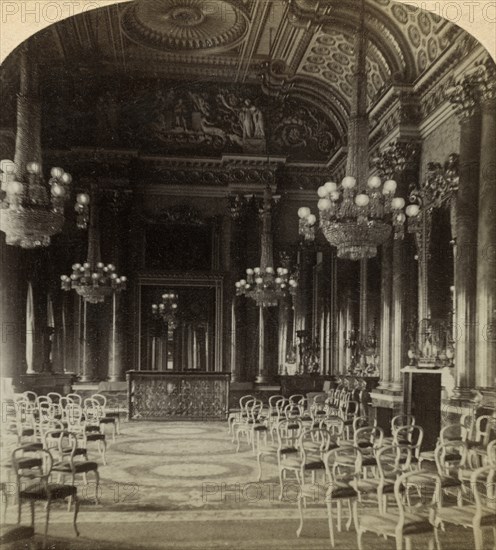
<point x="307" y="44"/>
<point x="299" y="50"/>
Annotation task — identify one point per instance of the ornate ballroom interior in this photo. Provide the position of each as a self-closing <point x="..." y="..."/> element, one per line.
<point x="231" y="228"/>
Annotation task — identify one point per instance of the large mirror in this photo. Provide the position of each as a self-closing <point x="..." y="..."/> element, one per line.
<point x="180" y="325"/>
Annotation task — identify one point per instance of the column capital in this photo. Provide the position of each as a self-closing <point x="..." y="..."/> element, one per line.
<point x="464" y="99"/>
<point x="483" y="79"/>
<point x="398" y="157"/>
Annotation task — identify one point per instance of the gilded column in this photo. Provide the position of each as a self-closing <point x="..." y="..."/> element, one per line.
<point x="464" y="100"/>
<point x="486" y="231"/>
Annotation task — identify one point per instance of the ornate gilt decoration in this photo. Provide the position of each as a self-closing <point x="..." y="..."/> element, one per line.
<point x="440" y="184"/>
<point x="397" y="157"/>
<point x="181" y="214"/>
<point x="175" y="396"/>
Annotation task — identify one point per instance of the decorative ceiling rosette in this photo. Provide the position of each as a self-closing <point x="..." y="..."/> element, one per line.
<point x="181" y="26"/>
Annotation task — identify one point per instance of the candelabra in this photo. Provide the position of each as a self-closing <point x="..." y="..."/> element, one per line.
<point x="265" y="285"/>
<point x="93" y="280"/>
<point x="166" y="310"/>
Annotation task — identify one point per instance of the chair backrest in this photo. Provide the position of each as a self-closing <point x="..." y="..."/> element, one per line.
<point x="243" y="400"/>
<point x="37" y="470"/>
<point x="393" y="460"/>
<point x="342" y="462"/>
<point x="452" y="432"/>
<point x="102" y="400"/>
<point x="401" y="420"/>
<point x="292" y="410"/>
<point x="450" y="456"/>
<point x="483" y="485"/>
<point x="483" y="427"/>
<point x="411" y="435"/>
<point x="75" y="398"/>
<point x="74" y="416"/>
<point x="333" y="424"/>
<point x="30" y="395"/>
<point x="368" y="437"/>
<point x="93" y="410"/>
<point x="42" y="400"/>
<point x="254" y="409"/>
<point x="360" y="422"/>
<point x="273" y="400"/>
<point x="296" y="398"/>
<point x="314" y="443"/>
<point x="66" y="446"/>
<point x="288" y="433"/>
<point x="491" y="453"/>
<point x="54" y="396"/>
<point x="403" y="484"/>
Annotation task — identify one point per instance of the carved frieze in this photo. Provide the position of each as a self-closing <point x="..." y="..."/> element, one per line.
<point x="171" y="118"/>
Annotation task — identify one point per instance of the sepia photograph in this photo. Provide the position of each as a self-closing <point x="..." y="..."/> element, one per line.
<point x="248" y="274"/>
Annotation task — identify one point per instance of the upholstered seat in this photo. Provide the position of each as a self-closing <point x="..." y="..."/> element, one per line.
<point x="53" y="491"/>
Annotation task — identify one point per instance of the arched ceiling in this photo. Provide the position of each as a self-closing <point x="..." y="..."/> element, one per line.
<point x="294" y="48"/>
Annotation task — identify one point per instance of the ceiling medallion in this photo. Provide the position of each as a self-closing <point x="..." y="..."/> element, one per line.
<point x="185" y="25"/>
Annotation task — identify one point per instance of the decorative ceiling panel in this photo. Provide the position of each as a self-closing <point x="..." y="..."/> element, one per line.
<point x="186" y="25"/>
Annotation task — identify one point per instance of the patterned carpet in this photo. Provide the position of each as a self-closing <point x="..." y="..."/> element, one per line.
<point x="183" y="486"/>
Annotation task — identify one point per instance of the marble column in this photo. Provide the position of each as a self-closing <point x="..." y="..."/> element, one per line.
<point x="386" y="313"/>
<point x="86" y="359"/>
<point x="398" y="307"/>
<point x="237" y="265"/>
<point x="116" y="340"/>
<point x="466" y="241"/>
<point x="486" y="235"/>
<point x="117" y="206"/>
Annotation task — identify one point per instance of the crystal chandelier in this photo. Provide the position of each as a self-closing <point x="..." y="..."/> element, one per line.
<point x="356" y="220"/>
<point x="93" y="280"/>
<point x="166" y="310"/>
<point x="360" y="214"/>
<point x="265" y="285"/>
<point x="31" y="213"/>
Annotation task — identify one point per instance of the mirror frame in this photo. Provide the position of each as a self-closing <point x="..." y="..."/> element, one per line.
<point x="178" y="281"/>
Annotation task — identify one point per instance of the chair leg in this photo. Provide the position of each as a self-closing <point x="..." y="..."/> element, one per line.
<point x="97" y="486"/>
<point x="399" y="541"/>
<point x="104" y="456"/>
<point x="18" y="509"/>
<point x="47" y="519"/>
<point x="478" y="537"/>
<point x="329" y="520"/>
<point x="359" y="539"/>
<point x="300" y="510"/>
<point x="339" y="515"/>
<point x="281" y="482"/>
<point x="259" y="460"/>
<point x="76" y="510"/>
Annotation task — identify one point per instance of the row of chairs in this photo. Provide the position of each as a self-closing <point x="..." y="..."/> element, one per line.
<point x="54" y="434"/>
<point x="346" y="450"/>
